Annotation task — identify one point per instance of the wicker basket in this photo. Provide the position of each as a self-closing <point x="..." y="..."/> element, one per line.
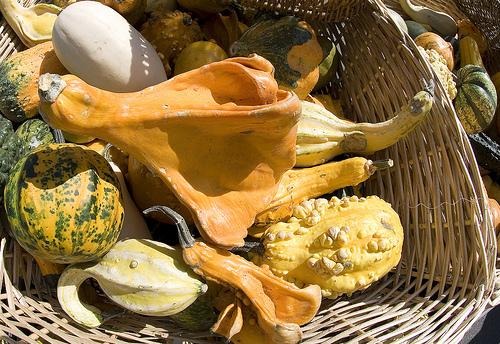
<point x="486" y="16"/>
<point x="447" y="274"/>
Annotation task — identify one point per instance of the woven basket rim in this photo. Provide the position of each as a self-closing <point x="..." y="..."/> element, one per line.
<point x="418" y="301"/>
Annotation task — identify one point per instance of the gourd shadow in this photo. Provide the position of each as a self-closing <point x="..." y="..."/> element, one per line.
<point x="214" y="166"/>
<point x="44" y="172"/>
<point x="141" y="64"/>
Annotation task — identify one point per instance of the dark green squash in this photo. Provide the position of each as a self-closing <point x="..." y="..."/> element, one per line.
<point x="486" y="150"/>
<point x="33" y="133"/>
<point x="290" y="44"/>
<point x="200" y="315"/>
<point x="414" y="28"/>
<point x="476" y="99"/>
<point x="329" y="64"/>
<point x="9" y="151"/>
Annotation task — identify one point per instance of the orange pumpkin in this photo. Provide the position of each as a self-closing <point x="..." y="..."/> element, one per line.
<point x="431" y="40"/>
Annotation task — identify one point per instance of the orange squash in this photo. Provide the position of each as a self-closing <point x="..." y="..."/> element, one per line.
<point x="222" y="150"/>
<point x="19" y="79"/>
<point x="280" y="307"/>
<point x="431" y="40"/>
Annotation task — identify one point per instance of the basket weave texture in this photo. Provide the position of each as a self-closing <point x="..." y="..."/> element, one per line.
<point x="446" y="277"/>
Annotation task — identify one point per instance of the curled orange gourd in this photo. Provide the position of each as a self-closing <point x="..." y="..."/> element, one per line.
<point x="222" y="150"/>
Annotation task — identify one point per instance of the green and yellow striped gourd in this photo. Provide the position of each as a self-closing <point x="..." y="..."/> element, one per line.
<point x="140" y="275"/>
<point x="476" y="99"/>
<point x="321" y="135"/>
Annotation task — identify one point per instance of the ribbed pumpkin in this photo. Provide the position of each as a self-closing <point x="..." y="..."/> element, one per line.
<point x="64" y="203"/>
<point x="476" y="98"/>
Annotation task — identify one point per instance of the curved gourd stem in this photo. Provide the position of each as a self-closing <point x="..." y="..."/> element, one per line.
<point x="185" y="238"/>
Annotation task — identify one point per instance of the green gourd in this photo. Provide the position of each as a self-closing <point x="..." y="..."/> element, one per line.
<point x="9" y="151"/>
<point x="476" y="98"/>
<point x="292" y="47"/>
<point x="33" y="133"/>
<point x="64" y="203"/>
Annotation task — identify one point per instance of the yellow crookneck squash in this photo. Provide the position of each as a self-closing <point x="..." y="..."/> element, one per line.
<point x="221" y="149"/>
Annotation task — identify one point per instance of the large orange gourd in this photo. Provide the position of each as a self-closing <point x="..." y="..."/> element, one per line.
<point x="220" y="136"/>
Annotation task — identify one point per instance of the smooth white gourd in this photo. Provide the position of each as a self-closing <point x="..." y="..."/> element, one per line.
<point x="440" y="22"/>
<point x="97" y="44"/>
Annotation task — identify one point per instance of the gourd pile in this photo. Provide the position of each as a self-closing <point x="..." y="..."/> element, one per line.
<point x="181" y="154"/>
<point x="455" y="51"/>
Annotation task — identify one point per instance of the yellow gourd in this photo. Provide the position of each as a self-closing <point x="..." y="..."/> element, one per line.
<point x="142" y="276"/>
<point x="342" y="245"/>
<point x="469" y="52"/>
<point x="198" y="54"/>
<point x="301" y="184"/>
<point x="170" y="32"/>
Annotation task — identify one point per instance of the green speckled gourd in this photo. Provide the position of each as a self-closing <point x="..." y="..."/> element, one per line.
<point x="290" y="44"/>
<point x="64" y="203"/>
<point x="19" y="80"/>
<point x="342" y="245"/>
<point x="476" y="99"/>
<point x="33" y="133"/>
<point x="200" y="315"/>
<point x="142" y="276"/>
<point x="9" y="151"/>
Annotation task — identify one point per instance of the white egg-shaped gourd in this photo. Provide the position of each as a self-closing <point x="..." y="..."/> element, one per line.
<point x="97" y="44"/>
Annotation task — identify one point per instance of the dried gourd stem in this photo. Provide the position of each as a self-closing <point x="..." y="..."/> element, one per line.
<point x="185" y="238"/>
<point x="58" y="135"/>
<point x="377" y="165"/>
<point x="106" y="152"/>
<point x="429" y="87"/>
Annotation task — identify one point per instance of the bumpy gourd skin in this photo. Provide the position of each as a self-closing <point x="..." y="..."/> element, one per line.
<point x="170" y="32"/>
<point x="342" y="245"/>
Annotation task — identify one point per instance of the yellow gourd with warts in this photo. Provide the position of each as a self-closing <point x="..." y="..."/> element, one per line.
<point x="342" y="245"/>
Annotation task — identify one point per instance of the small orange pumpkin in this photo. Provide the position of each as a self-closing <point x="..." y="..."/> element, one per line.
<point x="431" y="40"/>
